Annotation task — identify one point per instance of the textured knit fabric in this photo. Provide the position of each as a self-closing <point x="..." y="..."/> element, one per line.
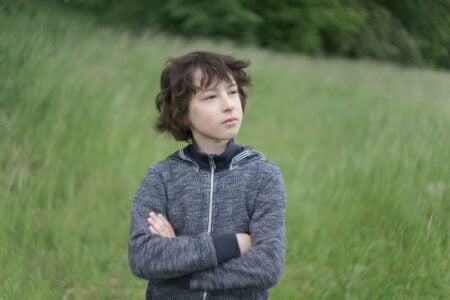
<point x="247" y="196"/>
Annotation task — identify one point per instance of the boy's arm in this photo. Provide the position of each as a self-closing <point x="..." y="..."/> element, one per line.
<point x="154" y="257"/>
<point x="259" y="268"/>
<point x="227" y="246"/>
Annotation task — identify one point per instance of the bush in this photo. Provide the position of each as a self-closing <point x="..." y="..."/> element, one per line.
<point x="383" y="37"/>
<point x="410" y="32"/>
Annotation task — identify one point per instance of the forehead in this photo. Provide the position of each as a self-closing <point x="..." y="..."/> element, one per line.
<point x="203" y="80"/>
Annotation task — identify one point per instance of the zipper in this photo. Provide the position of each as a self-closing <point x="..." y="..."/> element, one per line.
<point x="212" y="166"/>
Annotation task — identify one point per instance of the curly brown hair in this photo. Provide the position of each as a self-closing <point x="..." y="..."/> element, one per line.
<point x="178" y="88"/>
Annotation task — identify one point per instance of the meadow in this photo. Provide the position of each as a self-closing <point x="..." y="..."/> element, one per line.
<point x="364" y="148"/>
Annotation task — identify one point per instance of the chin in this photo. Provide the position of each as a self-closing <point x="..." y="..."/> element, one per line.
<point x="231" y="137"/>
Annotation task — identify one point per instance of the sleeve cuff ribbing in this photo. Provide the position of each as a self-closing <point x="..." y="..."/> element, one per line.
<point x="226" y="246"/>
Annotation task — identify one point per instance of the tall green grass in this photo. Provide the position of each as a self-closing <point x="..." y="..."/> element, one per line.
<point x="364" y="149"/>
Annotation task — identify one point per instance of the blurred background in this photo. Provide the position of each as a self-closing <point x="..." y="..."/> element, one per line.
<point x="350" y="99"/>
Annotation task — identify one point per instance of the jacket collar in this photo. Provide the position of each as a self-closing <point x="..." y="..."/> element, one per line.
<point x="218" y="161"/>
<point x="234" y="156"/>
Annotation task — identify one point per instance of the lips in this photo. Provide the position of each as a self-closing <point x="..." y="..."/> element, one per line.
<point x="230" y="121"/>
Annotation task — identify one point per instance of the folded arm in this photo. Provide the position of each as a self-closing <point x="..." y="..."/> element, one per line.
<point x="227" y="246"/>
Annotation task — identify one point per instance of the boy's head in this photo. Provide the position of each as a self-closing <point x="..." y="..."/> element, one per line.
<point x="186" y="76"/>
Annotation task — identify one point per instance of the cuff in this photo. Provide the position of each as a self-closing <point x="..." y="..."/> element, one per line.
<point x="226" y="246"/>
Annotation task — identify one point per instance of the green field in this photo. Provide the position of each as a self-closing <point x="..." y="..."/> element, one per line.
<point x="364" y="149"/>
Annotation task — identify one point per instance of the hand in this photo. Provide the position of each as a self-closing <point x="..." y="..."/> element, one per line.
<point x="244" y="241"/>
<point x="159" y="225"/>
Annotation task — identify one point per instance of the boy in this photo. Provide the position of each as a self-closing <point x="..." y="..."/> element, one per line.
<point x="208" y="221"/>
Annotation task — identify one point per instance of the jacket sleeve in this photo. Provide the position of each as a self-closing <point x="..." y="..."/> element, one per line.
<point x="259" y="268"/>
<point x="153" y="257"/>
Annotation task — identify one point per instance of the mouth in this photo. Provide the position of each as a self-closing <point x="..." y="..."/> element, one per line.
<point x="230" y="121"/>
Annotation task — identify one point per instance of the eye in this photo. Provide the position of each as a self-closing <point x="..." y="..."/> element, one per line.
<point x="233" y="92"/>
<point x="210" y="97"/>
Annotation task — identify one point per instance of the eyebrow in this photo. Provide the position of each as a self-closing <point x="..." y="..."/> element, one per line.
<point x="233" y="84"/>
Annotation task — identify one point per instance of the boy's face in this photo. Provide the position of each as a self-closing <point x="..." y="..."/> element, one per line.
<point x="215" y="112"/>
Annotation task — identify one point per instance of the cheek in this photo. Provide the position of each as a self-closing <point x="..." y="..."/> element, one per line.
<point x="192" y="113"/>
<point x="198" y="117"/>
<point x="195" y="113"/>
<point x="239" y="108"/>
<point x="188" y="117"/>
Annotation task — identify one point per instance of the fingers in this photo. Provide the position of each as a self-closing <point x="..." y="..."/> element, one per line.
<point x="159" y="225"/>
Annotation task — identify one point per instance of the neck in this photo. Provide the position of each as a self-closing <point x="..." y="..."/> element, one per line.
<point x="211" y="148"/>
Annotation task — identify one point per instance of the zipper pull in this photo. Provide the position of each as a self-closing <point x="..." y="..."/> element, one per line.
<point x="212" y="165"/>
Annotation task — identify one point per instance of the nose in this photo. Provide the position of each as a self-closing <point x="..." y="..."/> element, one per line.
<point x="228" y="102"/>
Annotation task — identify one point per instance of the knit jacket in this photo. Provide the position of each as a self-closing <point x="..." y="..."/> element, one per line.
<point x="207" y="199"/>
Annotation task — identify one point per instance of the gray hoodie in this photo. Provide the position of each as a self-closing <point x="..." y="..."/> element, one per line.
<point x="208" y="199"/>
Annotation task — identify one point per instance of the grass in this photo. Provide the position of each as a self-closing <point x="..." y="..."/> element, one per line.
<point x="363" y="147"/>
